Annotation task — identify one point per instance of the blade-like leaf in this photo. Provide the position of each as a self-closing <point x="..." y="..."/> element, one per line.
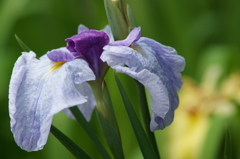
<point x="146" y="115"/>
<point x="143" y="141"/>
<point x="228" y="145"/>
<point x="69" y="144"/>
<point x="109" y="126"/>
<point x="92" y="135"/>
<point x="112" y="137"/>
<point x="21" y="43"/>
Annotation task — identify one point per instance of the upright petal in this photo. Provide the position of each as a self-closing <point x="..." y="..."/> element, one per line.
<point x="81" y="28"/>
<point x="134" y="36"/>
<point x="89" y="45"/>
<point x="108" y="31"/>
<point x="37" y="92"/>
<point x="60" y="55"/>
<point x="157" y="67"/>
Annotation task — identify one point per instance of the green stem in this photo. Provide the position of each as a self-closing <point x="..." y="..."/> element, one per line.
<point x="98" y="94"/>
<point x="146" y="115"/>
<point x="107" y="118"/>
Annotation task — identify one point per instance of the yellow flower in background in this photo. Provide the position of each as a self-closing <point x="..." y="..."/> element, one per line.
<point x="187" y="134"/>
<point x="231" y="88"/>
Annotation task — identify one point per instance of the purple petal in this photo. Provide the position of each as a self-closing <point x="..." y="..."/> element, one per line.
<point x="37" y="93"/>
<point x="89" y="44"/>
<point x="60" y="55"/>
<point x="134" y="36"/>
<point x="158" y="68"/>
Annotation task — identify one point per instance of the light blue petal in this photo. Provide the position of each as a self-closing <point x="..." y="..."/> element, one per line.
<point x="158" y="68"/>
<point x="37" y="92"/>
<point x="81" y="28"/>
<point x="108" y="30"/>
<point x="87" y="107"/>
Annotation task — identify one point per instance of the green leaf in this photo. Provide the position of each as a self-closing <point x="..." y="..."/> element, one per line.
<point x="109" y="126"/>
<point x="107" y="118"/>
<point x="69" y="144"/>
<point x="111" y="114"/>
<point x="143" y="141"/>
<point x="112" y="137"/>
<point x="146" y="115"/>
<point x="92" y="135"/>
<point x="228" y="146"/>
<point x="23" y="46"/>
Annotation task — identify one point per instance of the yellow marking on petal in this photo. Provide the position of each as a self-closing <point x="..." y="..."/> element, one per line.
<point x="135" y="48"/>
<point x="138" y="49"/>
<point x="56" y="65"/>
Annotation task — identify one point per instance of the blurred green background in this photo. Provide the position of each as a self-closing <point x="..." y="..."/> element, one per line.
<point x="202" y="31"/>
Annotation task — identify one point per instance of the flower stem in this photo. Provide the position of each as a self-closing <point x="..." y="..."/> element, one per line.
<point x="107" y="118"/>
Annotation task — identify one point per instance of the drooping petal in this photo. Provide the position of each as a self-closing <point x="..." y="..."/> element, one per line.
<point x="87" y="107"/>
<point x="20" y="69"/>
<point x="37" y="92"/>
<point x="134" y="36"/>
<point x="158" y="68"/>
<point x="60" y="55"/>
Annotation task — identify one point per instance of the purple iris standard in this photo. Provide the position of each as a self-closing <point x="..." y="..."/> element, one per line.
<point x="154" y="65"/>
<point x="88" y="44"/>
<point x="41" y="88"/>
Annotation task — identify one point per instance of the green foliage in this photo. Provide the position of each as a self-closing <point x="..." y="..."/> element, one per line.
<point x="21" y="43"/>
<point x="69" y="144"/>
<point x="143" y="140"/>
<point x="92" y="135"/>
<point x="112" y="137"/>
<point x="109" y="125"/>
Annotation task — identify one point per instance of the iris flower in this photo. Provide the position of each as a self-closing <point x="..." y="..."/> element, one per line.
<point x="154" y="65"/>
<point x="58" y="80"/>
<point x="41" y="88"/>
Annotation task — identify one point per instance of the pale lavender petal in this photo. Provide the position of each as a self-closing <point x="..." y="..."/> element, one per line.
<point x="19" y="70"/>
<point x="108" y="30"/>
<point x="60" y="55"/>
<point x="81" y="28"/>
<point x="37" y="92"/>
<point x="158" y="68"/>
<point x="134" y="36"/>
<point x="87" y="107"/>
